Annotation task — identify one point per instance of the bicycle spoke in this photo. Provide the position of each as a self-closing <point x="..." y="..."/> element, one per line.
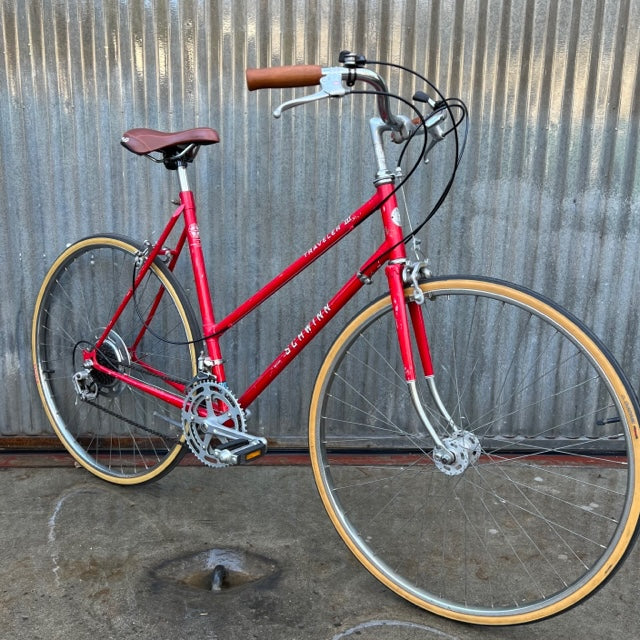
<point x="115" y="431"/>
<point x="515" y="528"/>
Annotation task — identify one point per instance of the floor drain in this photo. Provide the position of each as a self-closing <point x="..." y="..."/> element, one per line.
<point x="217" y="577"/>
<point x="217" y="570"/>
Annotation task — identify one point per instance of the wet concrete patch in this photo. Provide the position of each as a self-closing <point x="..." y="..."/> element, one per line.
<point x="217" y="570"/>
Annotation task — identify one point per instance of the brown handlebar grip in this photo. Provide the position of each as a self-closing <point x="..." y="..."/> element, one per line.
<point x="298" y="75"/>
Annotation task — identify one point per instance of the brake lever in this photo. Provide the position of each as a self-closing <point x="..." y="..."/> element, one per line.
<point x="332" y="87"/>
<point x="432" y="123"/>
<point x="434" y="126"/>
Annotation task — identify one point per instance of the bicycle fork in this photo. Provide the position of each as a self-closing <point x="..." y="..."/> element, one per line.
<point x="452" y="453"/>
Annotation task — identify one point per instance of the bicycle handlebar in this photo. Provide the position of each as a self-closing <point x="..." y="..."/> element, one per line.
<point x="298" y="75"/>
<point x="330" y="78"/>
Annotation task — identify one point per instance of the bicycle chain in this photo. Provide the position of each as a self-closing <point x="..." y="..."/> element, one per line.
<point x="133" y="423"/>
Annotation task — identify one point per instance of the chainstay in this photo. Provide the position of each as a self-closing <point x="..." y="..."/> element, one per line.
<point x="133" y="423"/>
<point x="165" y="377"/>
<point x="132" y="366"/>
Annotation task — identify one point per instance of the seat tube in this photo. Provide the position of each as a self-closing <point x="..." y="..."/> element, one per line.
<point x="200" y="274"/>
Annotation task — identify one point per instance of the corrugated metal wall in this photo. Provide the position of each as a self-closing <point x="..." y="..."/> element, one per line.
<point x="548" y="193"/>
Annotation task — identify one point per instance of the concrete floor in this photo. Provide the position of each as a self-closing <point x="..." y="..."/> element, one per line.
<point x="84" y="559"/>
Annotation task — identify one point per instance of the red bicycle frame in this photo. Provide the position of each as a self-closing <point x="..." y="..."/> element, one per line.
<point x="391" y="251"/>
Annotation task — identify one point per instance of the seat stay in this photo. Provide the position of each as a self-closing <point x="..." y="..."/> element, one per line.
<point x="145" y="265"/>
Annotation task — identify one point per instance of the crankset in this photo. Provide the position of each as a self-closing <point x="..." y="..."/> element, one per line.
<point x="215" y="428"/>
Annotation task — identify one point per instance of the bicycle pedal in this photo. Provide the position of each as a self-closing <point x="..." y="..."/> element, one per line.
<point x="241" y="451"/>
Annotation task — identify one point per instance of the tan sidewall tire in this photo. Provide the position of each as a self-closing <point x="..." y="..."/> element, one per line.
<point x="609" y="370"/>
<point x="173" y="456"/>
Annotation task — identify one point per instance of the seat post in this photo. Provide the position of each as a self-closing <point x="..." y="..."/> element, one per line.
<point x="182" y="176"/>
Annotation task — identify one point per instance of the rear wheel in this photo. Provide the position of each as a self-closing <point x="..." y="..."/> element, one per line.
<point x="119" y="434"/>
<point x="547" y="503"/>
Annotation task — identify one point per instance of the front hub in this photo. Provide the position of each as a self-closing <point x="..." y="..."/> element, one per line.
<point x="463" y="447"/>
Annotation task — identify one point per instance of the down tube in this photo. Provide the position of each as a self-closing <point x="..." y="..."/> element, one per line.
<point x="312" y="328"/>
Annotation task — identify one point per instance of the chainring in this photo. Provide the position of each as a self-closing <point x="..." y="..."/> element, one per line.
<point x="206" y="402"/>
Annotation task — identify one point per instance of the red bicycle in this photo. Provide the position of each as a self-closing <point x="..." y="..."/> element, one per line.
<point x="474" y="444"/>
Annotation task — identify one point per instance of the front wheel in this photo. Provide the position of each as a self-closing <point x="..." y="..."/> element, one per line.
<point x="547" y="505"/>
